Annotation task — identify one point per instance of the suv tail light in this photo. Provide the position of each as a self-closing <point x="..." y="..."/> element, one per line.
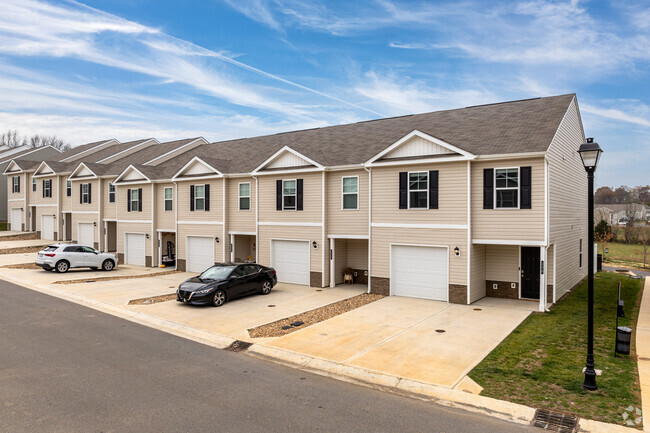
<point x="49" y="254"/>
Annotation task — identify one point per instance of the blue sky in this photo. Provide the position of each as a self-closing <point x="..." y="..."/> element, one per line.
<point x="234" y="68"/>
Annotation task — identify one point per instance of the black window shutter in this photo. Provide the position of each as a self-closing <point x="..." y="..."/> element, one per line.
<point x="18" y="184"/>
<point x="278" y="194"/>
<point x="44" y="188"/>
<point x="524" y="188"/>
<point x="298" y="194"/>
<point x="433" y="189"/>
<point x="403" y="190"/>
<point x="139" y="199"/>
<point x="191" y="197"/>
<point x="81" y="193"/>
<point x="206" y="192"/>
<point x="128" y="200"/>
<point x="90" y="193"/>
<point x="488" y="188"/>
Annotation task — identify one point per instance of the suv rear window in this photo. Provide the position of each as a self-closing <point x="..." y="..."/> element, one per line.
<point x="51" y="248"/>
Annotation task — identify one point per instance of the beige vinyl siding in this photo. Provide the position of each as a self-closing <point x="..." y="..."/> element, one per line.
<point x="290" y="233"/>
<point x="122" y="207"/>
<point x="240" y="220"/>
<point x="36" y="197"/>
<point x="95" y="195"/>
<point x="212" y="230"/>
<point x="312" y="199"/>
<point x="350" y="222"/>
<point x="109" y="210"/>
<point x="66" y="202"/>
<point x="141" y="228"/>
<point x="165" y="220"/>
<point x="383" y="237"/>
<point x="509" y="224"/>
<point x="502" y="263"/>
<point x="478" y="272"/>
<point x="452" y="195"/>
<point x="23" y="186"/>
<point x="85" y="218"/>
<point x="215" y="214"/>
<point x="568" y="202"/>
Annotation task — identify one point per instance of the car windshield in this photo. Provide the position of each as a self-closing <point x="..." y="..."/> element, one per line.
<point x="216" y="273"/>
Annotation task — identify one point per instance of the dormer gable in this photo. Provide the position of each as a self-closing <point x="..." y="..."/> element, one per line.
<point x="287" y="159"/>
<point x="131" y="175"/>
<point x="13" y="168"/>
<point x="417" y="147"/>
<point x="82" y="171"/>
<point x="43" y="170"/>
<point x="197" y="168"/>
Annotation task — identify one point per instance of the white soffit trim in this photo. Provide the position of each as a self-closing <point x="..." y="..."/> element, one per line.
<point x="416" y="133"/>
<point x="365" y="237"/>
<point x="421" y="226"/>
<point x="80" y="167"/>
<point x="200" y="140"/>
<point x="130" y="168"/>
<point x="280" y="152"/>
<point x="114" y="156"/>
<point x="512" y="155"/>
<point x="242" y="233"/>
<point x="194" y="160"/>
<point x="91" y="150"/>
<point x="508" y="242"/>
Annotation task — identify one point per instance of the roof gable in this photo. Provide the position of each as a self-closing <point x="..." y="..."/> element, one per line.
<point x="12" y="167"/>
<point x="287" y="159"/>
<point x="196" y="168"/>
<point x="44" y="169"/>
<point x="417" y="146"/>
<point x="82" y="171"/>
<point x="131" y="175"/>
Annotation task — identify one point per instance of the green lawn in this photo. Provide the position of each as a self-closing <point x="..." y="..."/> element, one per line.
<point x="624" y="254"/>
<point x="540" y="363"/>
<point x="3" y="227"/>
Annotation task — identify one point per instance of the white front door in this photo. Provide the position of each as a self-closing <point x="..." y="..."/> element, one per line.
<point x="291" y="261"/>
<point x="16" y="219"/>
<point x="86" y="234"/>
<point x="135" y="249"/>
<point x="419" y="272"/>
<point x="200" y="253"/>
<point x="47" y="227"/>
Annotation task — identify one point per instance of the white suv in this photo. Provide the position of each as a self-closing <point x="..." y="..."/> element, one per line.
<point x="62" y="257"/>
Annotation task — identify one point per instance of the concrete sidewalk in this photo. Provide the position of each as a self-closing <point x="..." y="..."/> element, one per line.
<point x="643" y="351"/>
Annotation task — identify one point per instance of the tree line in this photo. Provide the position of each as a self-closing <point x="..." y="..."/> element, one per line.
<point x="623" y="195"/>
<point x="13" y="138"/>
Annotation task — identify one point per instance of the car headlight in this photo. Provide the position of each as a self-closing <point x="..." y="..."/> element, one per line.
<point x="203" y="292"/>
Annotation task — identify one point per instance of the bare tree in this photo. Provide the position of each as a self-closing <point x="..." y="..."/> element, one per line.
<point x="11" y="138"/>
<point x="629" y="229"/>
<point x="644" y="238"/>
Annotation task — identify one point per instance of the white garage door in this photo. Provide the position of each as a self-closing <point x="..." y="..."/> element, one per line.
<point x="291" y="261"/>
<point x="419" y="272"/>
<point x="16" y="219"/>
<point x="200" y="253"/>
<point x="135" y="249"/>
<point x="86" y="234"/>
<point x="47" y="227"/>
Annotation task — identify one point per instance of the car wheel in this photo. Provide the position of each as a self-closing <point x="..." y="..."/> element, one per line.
<point x="219" y="298"/>
<point x="266" y="287"/>
<point x="108" y="265"/>
<point x="62" y="266"/>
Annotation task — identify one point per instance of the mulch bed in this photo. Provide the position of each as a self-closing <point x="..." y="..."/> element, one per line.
<point x="22" y="250"/>
<point x="125" y="277"/>
<point x="153" y="299"/>
<point x="22" y="266"/>
<point x="308" y="318"/>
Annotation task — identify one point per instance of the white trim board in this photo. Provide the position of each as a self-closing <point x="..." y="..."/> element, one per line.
<point x="201" y="223"/>
<point x="508" y="242"/>
<point x="242" y="233"/>
<point x="365" y="237"/>
<point x="134" y="221"/>
<point x="284" y="149"/>
<point x="289" y="224"/>
<point x="415" y="133"/>
<point x="421" y="226"/>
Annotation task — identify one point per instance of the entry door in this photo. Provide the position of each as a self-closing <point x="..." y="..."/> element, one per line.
<point x="16" y="219"/>
<point x="530" y="258"/>
<point x="47" y="227"/>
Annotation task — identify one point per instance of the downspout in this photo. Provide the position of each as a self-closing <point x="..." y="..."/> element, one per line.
<point x="155" y="252"/>
<point x="369" y="170"/>
<point x="469" y="232"/>
<point x="223" y="219"/>
<point x="322" y="229"/>
<point x="176" y="236"/>
<point x="257" y="226"/>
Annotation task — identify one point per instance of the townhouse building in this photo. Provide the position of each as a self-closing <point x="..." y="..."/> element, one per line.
<point x="452" y="205"/>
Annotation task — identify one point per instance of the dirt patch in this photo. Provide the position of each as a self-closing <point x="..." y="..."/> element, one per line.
<point x="124" y="277"/>
<point x="22" y="250"/>
<point x="21" y="237"/>
<point x="153" y="299"/>
<point x="22" y="266"/>
<point x="288" y="325"/>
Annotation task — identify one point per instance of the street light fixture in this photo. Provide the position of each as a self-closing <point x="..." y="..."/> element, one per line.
<point x="590" y="154"/>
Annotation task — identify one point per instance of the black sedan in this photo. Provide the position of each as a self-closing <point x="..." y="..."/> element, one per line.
<point x="225" y="281"/>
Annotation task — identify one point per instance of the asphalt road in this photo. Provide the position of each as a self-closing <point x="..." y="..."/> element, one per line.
<point x="68" y="368"/>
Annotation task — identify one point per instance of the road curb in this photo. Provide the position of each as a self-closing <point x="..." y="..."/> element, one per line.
<point x="449" y="397"/>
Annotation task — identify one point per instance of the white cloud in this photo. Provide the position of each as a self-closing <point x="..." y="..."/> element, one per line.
<point x="620" y="115"/>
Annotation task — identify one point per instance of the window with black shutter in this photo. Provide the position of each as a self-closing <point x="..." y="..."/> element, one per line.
<point x="403" y="190"/>
<point x="525" y="201"/>
<point x="488" y="188"/>
<point x="433" y="189"/>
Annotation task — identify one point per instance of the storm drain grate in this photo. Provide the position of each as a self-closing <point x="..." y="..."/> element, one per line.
<point x="238" y="346"/>
<point x="555" y="421"/>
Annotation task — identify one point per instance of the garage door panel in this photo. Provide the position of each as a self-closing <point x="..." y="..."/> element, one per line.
<point x="135" y="249"/>
<point x="16" y="219"/>
<point x="200" y="253"/>
<point x="291" y="261"/>
<point x="47" y="227"/>
<point x="86" y="234"/>
<point x="419" y="272"/>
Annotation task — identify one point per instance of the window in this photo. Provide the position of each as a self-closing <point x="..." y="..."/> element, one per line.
<point x="580" y="255"/>
<point x="244" y="196"/>
<point x="169" y="198"/>
<point x="85" y="193"/>
<point x="15" y="185"/>
<point x="47" y="188"/>
<point x="506" y="182"/>
<point x="135" y="200"/>
<point x="33" y="184"/>
<point x="419" y="190"/>
<point x="111" y="193"/>
<point x="199" y="197"/>
<point x="289" y="195"/>
<point x="68" y="188"/>
<point x="350" y="187"/>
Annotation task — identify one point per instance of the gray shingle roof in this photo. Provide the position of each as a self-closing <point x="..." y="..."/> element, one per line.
<point x="81" y="148"/>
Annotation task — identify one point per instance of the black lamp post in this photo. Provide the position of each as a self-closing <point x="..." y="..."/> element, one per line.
<point x="590" y="154"/>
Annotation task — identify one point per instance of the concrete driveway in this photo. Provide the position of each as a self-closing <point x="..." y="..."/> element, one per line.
<point x="401" y="336"/>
